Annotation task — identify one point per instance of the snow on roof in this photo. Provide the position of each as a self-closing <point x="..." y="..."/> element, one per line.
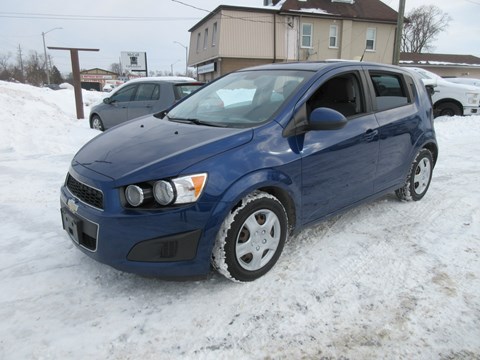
<point x="313" y="11"/>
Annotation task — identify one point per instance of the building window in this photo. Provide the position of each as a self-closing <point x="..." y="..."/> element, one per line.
<point x="333" y="36"/>
<point x="198" y="42"/>
<point x="214" y="34"/>
<point x="205" y="39"/>
<point x="307" y="35"/>
<point x="371" y="39"/>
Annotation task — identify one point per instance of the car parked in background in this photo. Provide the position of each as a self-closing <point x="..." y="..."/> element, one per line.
<point x="108" y="88"/>
<point x="140" y="97"/>
<point x="450" y="99"/>
<point x="465" y="81"/>
<point x="227" y="174"/>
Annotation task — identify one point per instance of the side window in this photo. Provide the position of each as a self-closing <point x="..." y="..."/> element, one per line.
<point x="341" y="93"/>
<point x="390" y="90"/>
<point x="371" y="39"/>
<point x="333" y="36"/>
<point x="147" y="92"/>
<point x="307" y="32"/>
<point x="124" y="94"/>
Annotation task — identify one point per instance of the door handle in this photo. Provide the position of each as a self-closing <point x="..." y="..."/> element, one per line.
<point x="370" y="135"/>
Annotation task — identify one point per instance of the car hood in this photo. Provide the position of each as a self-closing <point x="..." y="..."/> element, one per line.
<point x="158" y="147"/>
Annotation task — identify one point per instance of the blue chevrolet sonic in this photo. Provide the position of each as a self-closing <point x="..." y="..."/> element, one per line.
<point x="224" y="176"/>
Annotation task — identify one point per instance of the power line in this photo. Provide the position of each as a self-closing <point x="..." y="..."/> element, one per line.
<point x="17" y="15"/>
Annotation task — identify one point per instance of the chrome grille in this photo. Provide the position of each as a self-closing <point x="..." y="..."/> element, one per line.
<point x="85" y="193"/>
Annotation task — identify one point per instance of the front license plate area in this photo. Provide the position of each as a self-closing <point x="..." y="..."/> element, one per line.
<point x="72" y="225"/>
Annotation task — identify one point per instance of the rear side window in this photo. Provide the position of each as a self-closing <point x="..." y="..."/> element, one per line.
<point x="390" y="90"/>
<point x="184" y="90"/>
<point x="147" y="92"/>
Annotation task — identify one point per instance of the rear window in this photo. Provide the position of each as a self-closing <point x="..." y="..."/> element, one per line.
<point x="390" y="90"/>
<point x="183" y="90"/>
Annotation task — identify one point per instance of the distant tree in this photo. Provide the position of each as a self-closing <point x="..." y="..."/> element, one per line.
<point x="35" y="70"/>
<point x="191" y="73"/>
<point x="116" y="68"/>
<point x="424" y="24"/>
<point x="55" y="76"/>
<point x="69" y="78"/>
<point x="17" y="74"/>
<point x="4" y="59"/>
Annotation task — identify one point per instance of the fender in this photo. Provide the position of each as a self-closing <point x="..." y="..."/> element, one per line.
<point x="266" y="178"/>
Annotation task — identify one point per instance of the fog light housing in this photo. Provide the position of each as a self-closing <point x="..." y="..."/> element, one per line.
<point x="135" y="195"/>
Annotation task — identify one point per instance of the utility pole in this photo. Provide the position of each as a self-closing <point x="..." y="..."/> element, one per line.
<point x="20" y="59"/>
<point x="45" y="52"/>
<point x="398" y="35"/>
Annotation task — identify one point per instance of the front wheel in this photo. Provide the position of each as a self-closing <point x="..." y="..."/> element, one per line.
<point x="418" y="180"/>
<point x="448" y="109"/>
<point x="251" y="238"/>
<point x="96" y="123"/>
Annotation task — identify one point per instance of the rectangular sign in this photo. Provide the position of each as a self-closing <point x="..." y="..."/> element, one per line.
<point x="134" y="60"/>
<point x="206" y="68"/>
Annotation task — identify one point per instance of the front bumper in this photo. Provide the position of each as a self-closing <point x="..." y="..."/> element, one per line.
<point x="471" y="110"/>
<point x="170" y="243"/>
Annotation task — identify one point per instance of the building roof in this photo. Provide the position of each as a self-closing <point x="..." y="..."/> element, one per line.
<point x="97" y="71"/>
<point x="371" y="10"/>
<point x="367" y="10"/>
<point x="439" y="59"/>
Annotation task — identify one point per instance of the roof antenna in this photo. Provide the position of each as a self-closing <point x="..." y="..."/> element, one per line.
<point x="363" y="55"/>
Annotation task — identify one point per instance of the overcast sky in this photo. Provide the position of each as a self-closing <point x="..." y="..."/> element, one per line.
<point x="154" y="25"/>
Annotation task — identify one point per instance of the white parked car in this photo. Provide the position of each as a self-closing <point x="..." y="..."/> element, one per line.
<point x="466" y="81"/>
<point x="449" y="98"/>
<point x="108" y="87"/>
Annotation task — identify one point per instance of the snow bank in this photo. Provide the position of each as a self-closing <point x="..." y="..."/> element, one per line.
<point x="390" y="279"/>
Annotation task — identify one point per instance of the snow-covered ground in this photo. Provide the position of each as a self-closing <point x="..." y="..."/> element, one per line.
<point x="388" y="280"/>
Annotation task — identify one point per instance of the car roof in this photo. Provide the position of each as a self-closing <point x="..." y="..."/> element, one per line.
<point x="170" y="79"/>
<point x="316" y="65"/>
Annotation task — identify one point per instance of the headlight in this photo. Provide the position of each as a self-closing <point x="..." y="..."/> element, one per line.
<point x="189" y="188"/>
<point x="182" y="190"/>
<point x="473" y="98"/>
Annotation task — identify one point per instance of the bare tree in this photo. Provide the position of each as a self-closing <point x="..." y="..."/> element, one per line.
<point x="116" y="68"/>
<point x="4" y="58"/>
<point x="423" y="26"/>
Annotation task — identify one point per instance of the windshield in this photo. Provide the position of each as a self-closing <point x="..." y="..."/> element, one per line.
<point x="241" y="99"/>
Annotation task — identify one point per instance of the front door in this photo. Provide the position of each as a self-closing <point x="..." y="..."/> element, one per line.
<point x="339" y="166"/>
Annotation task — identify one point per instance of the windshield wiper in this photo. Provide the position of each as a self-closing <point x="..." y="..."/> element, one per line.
<point x="195" y="121"/>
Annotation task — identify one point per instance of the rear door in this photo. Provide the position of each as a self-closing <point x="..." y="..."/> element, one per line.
<point x="339" y="166"/>
<point x="397" y="113"/>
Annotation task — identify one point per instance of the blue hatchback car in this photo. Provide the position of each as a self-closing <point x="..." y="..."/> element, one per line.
<point x="228" y="173"/>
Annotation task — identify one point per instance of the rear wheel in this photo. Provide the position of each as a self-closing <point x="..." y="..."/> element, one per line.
<point x="251" y="238"/>
<point x="419" y="178"/>
<point x="96" y="123"/>
<point x="448" y="109"/>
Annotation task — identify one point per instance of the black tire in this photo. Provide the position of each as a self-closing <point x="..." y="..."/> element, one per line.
<point x="448" y="109"/>
<point x="251" y="238"/>
<point x="96" y="123"/>
<point x="419" y="177"/>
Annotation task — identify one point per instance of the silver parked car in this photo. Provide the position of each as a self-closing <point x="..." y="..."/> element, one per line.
<point x="140" y="97"/>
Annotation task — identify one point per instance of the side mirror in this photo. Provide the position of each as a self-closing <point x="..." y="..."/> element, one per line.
<point x="107" y="100"/>
<point x="430" y="89"/>
<point x="326" y="119"/>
